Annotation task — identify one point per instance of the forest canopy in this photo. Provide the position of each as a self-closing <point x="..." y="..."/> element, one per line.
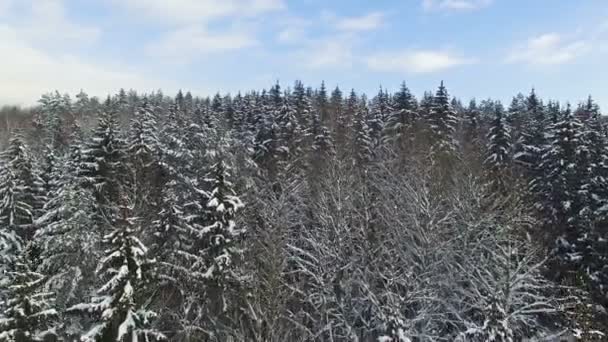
<point x="303" y="214"/>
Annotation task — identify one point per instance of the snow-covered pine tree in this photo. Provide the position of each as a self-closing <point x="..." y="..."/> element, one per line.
<point x="498" y="153"/>
<point x="402" y="118"/>
<point x="28" y="312"/>
<point x="517" y="113"/>
<point x="322" y="142"/>
<point x="362" y="145"/>
<point x="21" y="189"/>
<point x="289" y="131"/>
<point x="103" y="157"/>
<point x="378" y="115"/>
<point x="143" y="143"/>
<point x="68" y="236"/>
<point x="442" y="124"/>
<point x="267" y="150"/>
<point x="559" y="202"/>
<point x="321" y="103"/>
<point x="532" y="141"/>
<point x="54" y="109"/>
<point x="471" y="124"/>
<point x="221" y="235"/>
<point x="554" y="112"/>
<point x="119" y="309"/>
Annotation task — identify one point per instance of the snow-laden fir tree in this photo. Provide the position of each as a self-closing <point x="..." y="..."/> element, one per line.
<point x="290" y="133"/>
<point x="362" y="144"/>
<point x="28" y="313"/>
<point x="532" y="141"/>
<point x="119" y="309"/>
<point x="402" y="118"/>
<point x="498" y="153"/>
<point x="471" y="124"/>
<point x="143" y="143"/>
<point x="21" y="189"/>
<point x="54" y="109"/>
<point x="268" y="151"/>
<point x="378" y="115"/>
<point x="559" y="202"/>
<point x="68" y="236"/>
<point x="442" y="123"/>
<point x="321" y="103"/>
<point x="322" y="142"/>
<point x="103" y="156"/>
<point x="221" y="234"/>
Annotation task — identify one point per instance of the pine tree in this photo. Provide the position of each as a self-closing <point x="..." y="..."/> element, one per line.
<point x="119" y="310"/>
<point x="378" y="115"/>
<point x="560" y="203"/>
<point x="471" y="123"/>
<point x="322" y="143"/>
<point x="221" y="235"/>
<point x="532" y="142"/>
<point x="103" y="157"/>
<point x="498" y="152"/>
<point x="143" y="143"/>
<point x="28" y="315"/>
<point x="289" y="131"/>
<point x="403" y="117"/>
<point x="362" y="145"/>
<point x="321" y="104"/>
<point x="442" y="124"/>
<point x="21" y="189"/>
<point x="54" y="108"/>
<point x="68" y="237"/>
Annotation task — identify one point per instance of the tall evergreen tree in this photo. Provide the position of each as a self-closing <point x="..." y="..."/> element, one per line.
<point x="403" y="117"/>
<point x="559" y="199"/>
<point x="442" y="123"/>
<point x="28" y="315"/>
<point x="103" y="157"/>
<point x="21" y="189"/>
<point x="119" y="309"/>
<point x="498" y="153"/>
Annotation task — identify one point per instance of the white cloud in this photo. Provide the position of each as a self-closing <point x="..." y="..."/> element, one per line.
<point x="454" y="5"/>
<point x="330" y="53"/>
<point x="549" y="49"/>
<point x="294" y="30"/>
<point x="29" y="72"/>
<point x="416" y="61"/>
<point x="47" y="24"/>
<point x="367" y="22"/>
<point x="196" y="11"/>
<point x="193" y="41"/>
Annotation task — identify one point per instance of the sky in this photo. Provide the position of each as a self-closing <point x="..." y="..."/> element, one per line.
<point x="480" y="48"/>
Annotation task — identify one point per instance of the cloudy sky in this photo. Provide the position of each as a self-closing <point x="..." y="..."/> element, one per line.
<point x="481" y="48"/>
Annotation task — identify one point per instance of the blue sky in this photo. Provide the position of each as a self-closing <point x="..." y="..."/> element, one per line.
<point x="481" y="48"/>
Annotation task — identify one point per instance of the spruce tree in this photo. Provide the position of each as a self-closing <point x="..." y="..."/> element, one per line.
<point x="442" y="124"/>
<point x="362" y="145"/>
<point x="119" y="308"/>
<point x="103" y="157"/>
<point x="498" y="153"/>
<point x="143" y="143"/>
<point x="21" y="189"/>
<point x="403" y="118"/>
<point x="559" y="201"/>
<point x="221" y="234"/>
<point x="28" y="314"/>
<point x="68" y="237"/>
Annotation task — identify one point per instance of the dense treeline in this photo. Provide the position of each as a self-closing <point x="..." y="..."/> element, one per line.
<point x="303" y="215"/>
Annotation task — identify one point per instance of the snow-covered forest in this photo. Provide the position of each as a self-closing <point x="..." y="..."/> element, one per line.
<point x="303" y="214"/>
